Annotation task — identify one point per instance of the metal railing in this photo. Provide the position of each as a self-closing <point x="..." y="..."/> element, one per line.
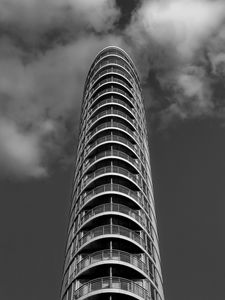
<point x="112" y="79"/>
<point x="112" y="100"/>
<point x="113" y="51"/>
<point x="113" y="60"/>
<point x="112" y="90"/>
<point x="116" y="60"/>
<point x="112" y="125"/>
<point x="115" y="188"/>
<point x="112" y="70"/>
<point x="116" y="153"/>
<point x="110" y="229"/>
<point x="112" y="169"/>
<point x="112" y="254"/>
<point x="109" y="112"/>
<point x="114" y="207"/>
<point x="112" y="137"/>
<point x="103" y="283"/>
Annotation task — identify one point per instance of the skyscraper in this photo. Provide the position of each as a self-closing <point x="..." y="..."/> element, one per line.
<point x="112" y="250"/>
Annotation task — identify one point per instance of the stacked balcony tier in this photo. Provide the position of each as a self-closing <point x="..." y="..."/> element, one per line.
<point x="112" y="249"/>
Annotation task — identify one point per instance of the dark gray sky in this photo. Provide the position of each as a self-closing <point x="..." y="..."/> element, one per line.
<point x="43" y="64"/>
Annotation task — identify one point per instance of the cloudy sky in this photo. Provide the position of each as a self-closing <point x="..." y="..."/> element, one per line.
<point x="46" y="48"/>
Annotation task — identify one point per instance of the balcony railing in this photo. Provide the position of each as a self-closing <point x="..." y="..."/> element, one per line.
<point x="114" y="125"/>
<point x="112" y="80"/>
<point x="106" y="60"/>
<point x="114" y="138"/>
<point x="114" y="207"/>
<point x="115" y="153"/>
<point x="111" y="112"/>
<point x="110" y="229"/>
<point x="112" y="100"/>
<point x="137" y="196"/>
<point x="111" y="90"/>
<point x="112" y="254"/>
<point x="114" y="60"/>
<point x="112" y="70"/>
<point x="117" y="283"/>
<point x="113" y="51"/>
<point x="112" y="169"/>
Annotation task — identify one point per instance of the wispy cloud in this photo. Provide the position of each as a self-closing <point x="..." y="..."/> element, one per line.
<point x="42" y="75"/>
<point x="47" y="46"/>
<point x="183" y="42"/>
<point x="20" y="152"/>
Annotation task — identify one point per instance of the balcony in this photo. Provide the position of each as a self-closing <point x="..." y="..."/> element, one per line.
<point x="140" y="218"/>
<point x="113" y="51"/>
<point x="106" y="231"/>
<point x="112" y="71"/>
<point x="137" y="197"/>
<point x="110" y="256"/>
<point x="112" y="138"/>
<point x="112" y="100"/>
<point x="111" y="90"/>
<point x="112" y="153"/>
<point x="112" y="80"/>
<point x="108" y="113"/>
<point x="112" y="170"/>
<point x="132" y="106"/>
<point x="112" y="285"/>
<point x="108" y="59"/>
<point x="113" y="58"/>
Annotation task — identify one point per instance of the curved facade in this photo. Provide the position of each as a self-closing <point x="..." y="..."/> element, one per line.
<point x="112" y="250"/>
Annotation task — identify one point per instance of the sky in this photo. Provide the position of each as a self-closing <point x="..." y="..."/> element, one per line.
<point x="46" y="48"/>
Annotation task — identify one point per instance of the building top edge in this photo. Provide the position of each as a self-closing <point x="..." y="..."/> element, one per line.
<point x="122" y="51"/>
<point x="114" y="47"/>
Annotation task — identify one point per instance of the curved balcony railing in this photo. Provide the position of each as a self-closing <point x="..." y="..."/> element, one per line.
<point x="108" y="125"/>
<point x="112" y="90"/>
<point x="136" y="163"/>
<point x="115" y="153"/>
<point x="108" y="230"/>
<point x="114" y="125"/>
<point x="119" y="91"/>
<point x="114" y="207"/>
<point x="105" y="255"/>
<point x="136" y="196"/>
<point x="113" y="58"/>
<point x="141" y="217"/>
<point x="112" y="100"/>
<point x="112" y="70"/>
<point x="113" y="138"/>
<point x="112" y="169"/>
<point x="114" y="51"/>
<point x="112" y="80"/>
<point x="109" y="112"/>
<point x="117" y="283"/>
<point x="110" y="60"/>
<point x="109" y="65"/>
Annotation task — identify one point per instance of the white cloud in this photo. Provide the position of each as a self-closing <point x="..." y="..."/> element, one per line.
<point x="20" y="152"/>
<point x="178" y="40"/>
<point x="183" y="24"/>
<point x="41" y="91"/>
<point x="37" y="14"/>
<point x="41" y="86"/>
<point x="42" y="95"/>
